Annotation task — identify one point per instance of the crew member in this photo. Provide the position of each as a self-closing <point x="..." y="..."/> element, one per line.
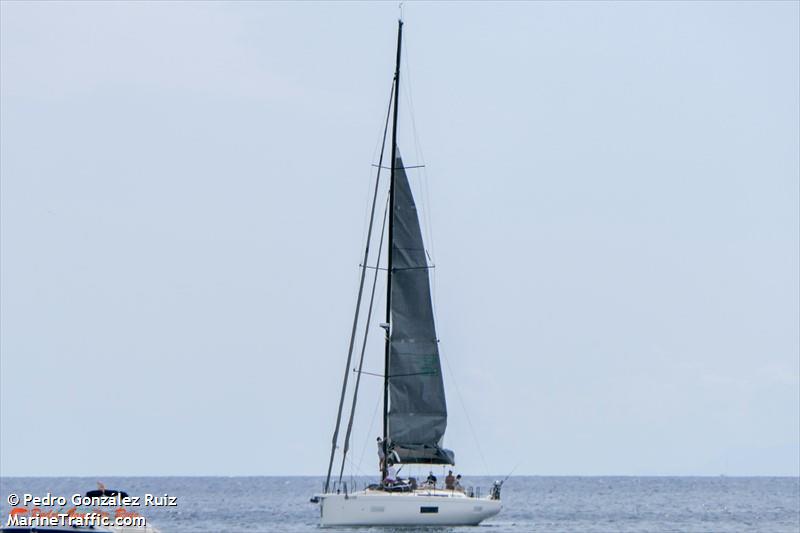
<point x="450" y="481"/>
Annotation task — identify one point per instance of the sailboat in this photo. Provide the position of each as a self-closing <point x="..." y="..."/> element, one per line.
<point x="414" y="405"/>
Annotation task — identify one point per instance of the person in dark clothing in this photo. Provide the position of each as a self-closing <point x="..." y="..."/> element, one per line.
<point x="381" y="454"/>
<point x="431" y="479"/>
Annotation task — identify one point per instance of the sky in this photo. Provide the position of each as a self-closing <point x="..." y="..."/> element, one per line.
<point x="611" y="201"/>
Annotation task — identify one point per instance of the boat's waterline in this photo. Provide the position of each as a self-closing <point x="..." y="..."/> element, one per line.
<point x="418" y="508"/>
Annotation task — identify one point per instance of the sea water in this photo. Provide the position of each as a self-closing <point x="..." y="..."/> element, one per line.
<point x="530" y="504"/>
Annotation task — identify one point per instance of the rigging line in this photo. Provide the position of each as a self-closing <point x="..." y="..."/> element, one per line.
<point x="466" y="414"/>
<point x="368" y="373"/>
<point x="364" y="342"/>
<point x="355" y="467"/>
<point x="335" y="438"/>
<point x="400" y="269"/>
<point x="369" y="432"/>
<point x="368" y="190"/>
<point x="390" y="376"/>
<point x="425" y="189"/>
<point x="404" y="167"/>
<point x="410" y="100"/>
<point x="512" y="471"/>
<point x="427" y="198"/>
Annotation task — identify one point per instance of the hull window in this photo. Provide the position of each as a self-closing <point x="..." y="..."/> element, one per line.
<point x="428" y="509"/>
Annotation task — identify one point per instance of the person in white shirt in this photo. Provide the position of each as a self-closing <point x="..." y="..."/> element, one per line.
<point x="391" y="475"/>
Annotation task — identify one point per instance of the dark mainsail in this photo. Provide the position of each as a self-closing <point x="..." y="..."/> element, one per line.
<point x="417" y="415"/>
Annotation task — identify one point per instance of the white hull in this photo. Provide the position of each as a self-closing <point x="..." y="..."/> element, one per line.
<point x="418" y="508"/>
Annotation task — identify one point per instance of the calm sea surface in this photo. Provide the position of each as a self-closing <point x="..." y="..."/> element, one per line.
<point x="603" y="504"/>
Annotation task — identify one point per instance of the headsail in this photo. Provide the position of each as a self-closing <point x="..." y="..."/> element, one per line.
<point x="417" y="415"/>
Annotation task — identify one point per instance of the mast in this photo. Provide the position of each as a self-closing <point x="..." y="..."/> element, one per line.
<point x="391" y="244"/>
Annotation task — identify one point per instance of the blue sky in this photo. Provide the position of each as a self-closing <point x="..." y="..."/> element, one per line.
<point x="611" y="190"/>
